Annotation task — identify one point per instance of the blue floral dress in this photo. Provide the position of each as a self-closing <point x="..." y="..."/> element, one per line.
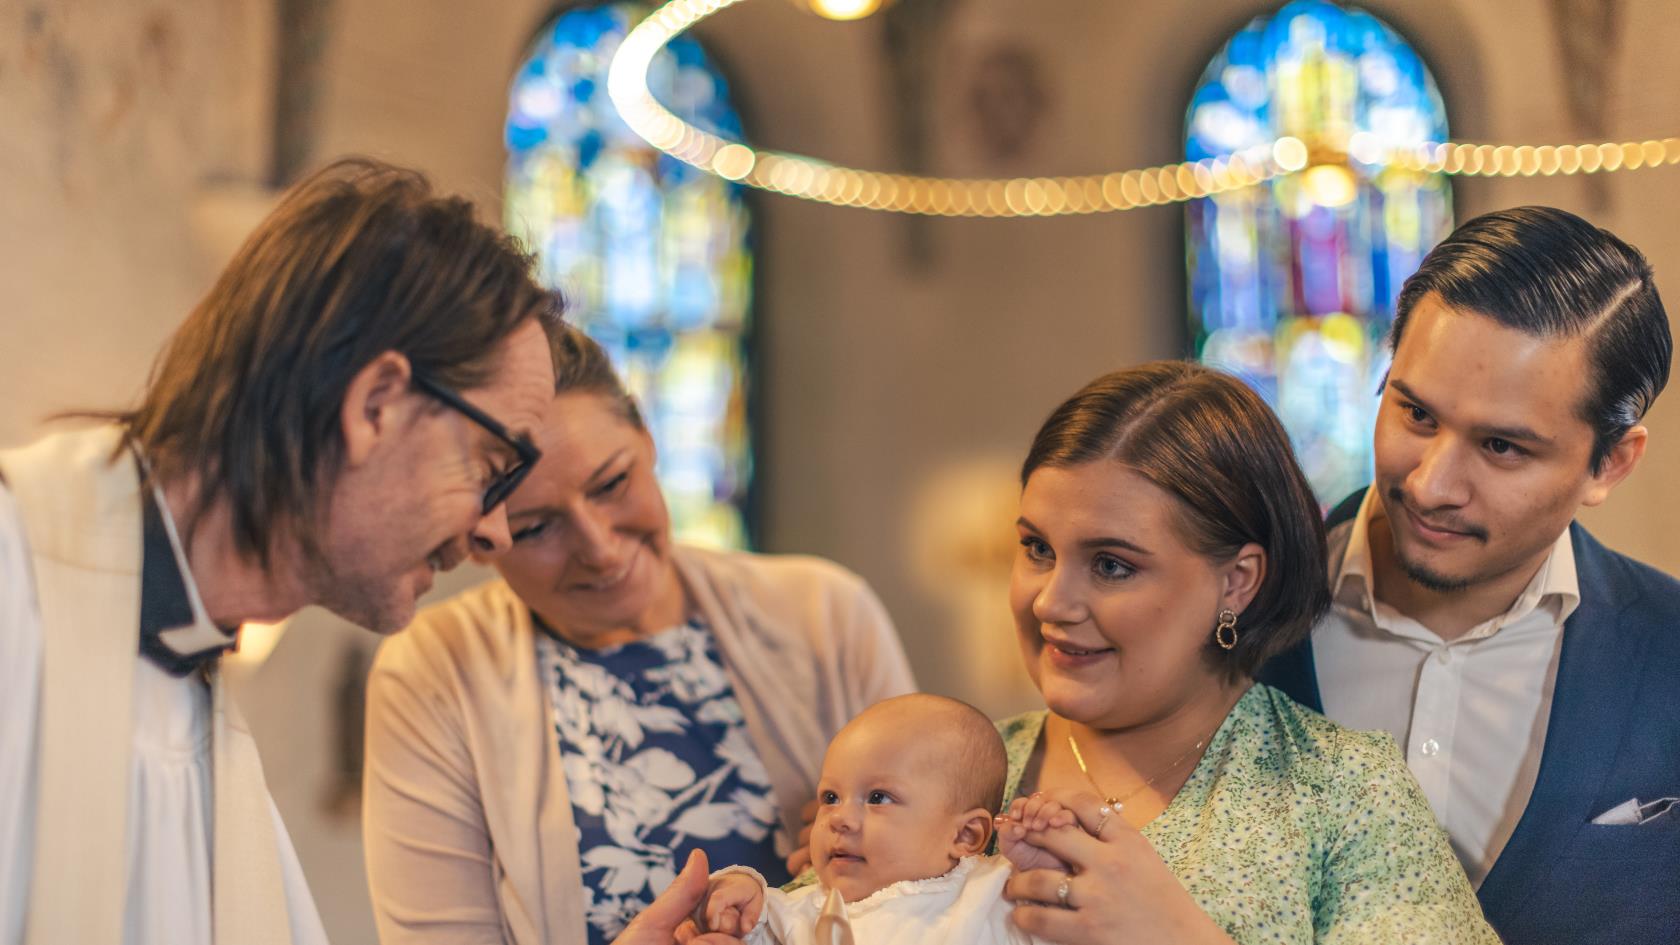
<point x="658" y="762"/>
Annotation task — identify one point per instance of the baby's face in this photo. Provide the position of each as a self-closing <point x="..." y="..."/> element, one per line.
<point x="884" y="810"/>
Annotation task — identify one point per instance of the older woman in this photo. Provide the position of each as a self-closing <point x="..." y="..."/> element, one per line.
<point x="1169" y="546"/>
<point x="544" y="751"/>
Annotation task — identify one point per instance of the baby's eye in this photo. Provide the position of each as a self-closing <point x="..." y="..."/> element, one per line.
<point x="828" y="797"/>
<point x="880" y="797"/>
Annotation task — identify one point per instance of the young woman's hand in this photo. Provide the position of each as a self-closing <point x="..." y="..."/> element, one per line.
<point x="1118" y="888"/>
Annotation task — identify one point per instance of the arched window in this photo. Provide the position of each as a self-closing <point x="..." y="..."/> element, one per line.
<point x="652" y="254"/>
<point x="1292" y="284"/>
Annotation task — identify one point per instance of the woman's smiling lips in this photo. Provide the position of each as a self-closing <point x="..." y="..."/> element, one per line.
<point x="1065" y="654"/>
<point x="612" y="581"/>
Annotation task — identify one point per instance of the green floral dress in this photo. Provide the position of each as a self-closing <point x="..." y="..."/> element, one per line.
<point x="1293" y="829"/>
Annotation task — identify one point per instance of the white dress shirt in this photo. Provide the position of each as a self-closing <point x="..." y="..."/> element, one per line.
<point x="168" y="841"/>
<point x="1471" y="713"/>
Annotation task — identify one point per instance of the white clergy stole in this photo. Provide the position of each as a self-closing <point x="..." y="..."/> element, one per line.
<point x="79" y="497"/>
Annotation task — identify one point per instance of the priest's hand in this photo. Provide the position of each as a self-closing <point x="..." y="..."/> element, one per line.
<point x="800" y="858"/>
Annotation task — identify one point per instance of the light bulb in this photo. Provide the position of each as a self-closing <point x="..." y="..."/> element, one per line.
<point x="844" y="9"/>
<point x="1330" y="185"/>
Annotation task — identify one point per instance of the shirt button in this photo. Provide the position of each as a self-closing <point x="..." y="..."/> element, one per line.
<point x="1444" y="654"/>
<point x="1431" y="748"/>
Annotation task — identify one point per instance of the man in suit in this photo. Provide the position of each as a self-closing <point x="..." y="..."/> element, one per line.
<point x="1530" y="675"/>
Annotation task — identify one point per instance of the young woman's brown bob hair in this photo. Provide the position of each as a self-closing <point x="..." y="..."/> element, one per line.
<point x="1207" y="439"/>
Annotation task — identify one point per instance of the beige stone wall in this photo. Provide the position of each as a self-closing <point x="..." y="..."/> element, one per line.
<point x="896" y="400"/>
<point x="121" y="124"/>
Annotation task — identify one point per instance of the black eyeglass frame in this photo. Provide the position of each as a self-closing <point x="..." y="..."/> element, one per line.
<point x="508" y="479"/>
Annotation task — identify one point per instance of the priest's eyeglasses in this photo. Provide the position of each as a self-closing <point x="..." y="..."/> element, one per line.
<point x="504" y="482"/>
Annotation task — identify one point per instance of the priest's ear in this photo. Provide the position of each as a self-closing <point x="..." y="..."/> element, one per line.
<point x="378" y="402"/>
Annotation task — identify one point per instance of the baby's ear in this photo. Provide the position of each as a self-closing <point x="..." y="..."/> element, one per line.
<point x="974" y="833"/>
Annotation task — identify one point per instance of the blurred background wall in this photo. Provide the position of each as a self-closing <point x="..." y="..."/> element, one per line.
<point x="902" y="365"/>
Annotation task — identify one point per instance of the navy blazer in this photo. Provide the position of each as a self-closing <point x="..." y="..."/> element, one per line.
<point x="1614" y="734"/>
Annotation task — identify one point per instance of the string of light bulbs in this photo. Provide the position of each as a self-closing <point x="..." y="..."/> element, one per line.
<point x="811" y="179"/>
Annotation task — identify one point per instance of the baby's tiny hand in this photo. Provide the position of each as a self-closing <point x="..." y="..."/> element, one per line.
<point x="1027" y="814"/>
<point x="1041" y="813"/>
<point x="733" y="904"/>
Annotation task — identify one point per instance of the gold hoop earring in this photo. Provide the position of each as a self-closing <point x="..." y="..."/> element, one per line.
<point x="1226" y="633"/>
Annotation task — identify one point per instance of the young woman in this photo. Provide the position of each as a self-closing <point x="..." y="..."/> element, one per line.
<point x="1169" y="546"/>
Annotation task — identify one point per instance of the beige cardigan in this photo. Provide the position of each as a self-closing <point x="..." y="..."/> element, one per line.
<point x="467" y="823"/>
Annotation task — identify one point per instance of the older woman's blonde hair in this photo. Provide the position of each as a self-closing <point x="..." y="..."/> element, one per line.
<point x="582" y="366"/>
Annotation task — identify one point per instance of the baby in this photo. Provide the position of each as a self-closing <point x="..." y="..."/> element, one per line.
<point x="906" y="800"/>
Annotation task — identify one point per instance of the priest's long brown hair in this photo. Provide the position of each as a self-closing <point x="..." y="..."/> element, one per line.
<point x="358" y="259"/>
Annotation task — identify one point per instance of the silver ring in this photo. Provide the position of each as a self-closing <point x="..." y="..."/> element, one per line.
<point x="1062" y="892"/>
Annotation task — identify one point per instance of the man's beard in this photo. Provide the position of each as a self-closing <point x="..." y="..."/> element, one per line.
<point x="382" y="616"/>
<point x="1429" y="580"/>
<point x="360" y="604"/>
<point x="371" y="602"/>
<point x="1418" y="573"/>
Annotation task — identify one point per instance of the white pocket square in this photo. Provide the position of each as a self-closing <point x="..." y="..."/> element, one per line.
<point x="1632" y="812"/>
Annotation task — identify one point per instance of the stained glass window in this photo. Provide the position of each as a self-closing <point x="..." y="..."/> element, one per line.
<point x="652" y="254"/>
<point x="1292" y="284"/>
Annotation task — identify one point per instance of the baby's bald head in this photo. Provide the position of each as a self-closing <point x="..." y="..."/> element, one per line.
<point x="908" y="788"/>
<point x="952" y="741"/>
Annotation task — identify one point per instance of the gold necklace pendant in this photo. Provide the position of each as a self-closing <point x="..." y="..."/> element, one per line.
<point x="1119" y="802"/>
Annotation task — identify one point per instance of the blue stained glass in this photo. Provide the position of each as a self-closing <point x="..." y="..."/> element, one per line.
<point x="1292" y="284"/>
<point x="652" y="255"/>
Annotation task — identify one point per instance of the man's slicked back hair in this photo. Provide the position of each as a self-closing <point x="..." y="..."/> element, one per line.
<point x="1551" y="274"/>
